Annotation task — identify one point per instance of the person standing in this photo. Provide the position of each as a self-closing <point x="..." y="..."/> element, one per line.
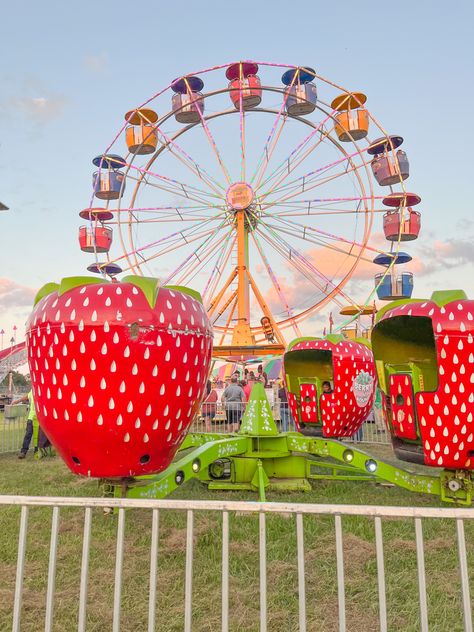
<point x="233" y="399"/>
<point x="262" y="376"/>
<point x="284" y="411"/>
<point x="31" y="419"/>
<point x="209" y="407"/>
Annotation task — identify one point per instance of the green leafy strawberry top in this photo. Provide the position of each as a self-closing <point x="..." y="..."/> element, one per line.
<point x="148" y="285"/>
<point x="439" y="297"/>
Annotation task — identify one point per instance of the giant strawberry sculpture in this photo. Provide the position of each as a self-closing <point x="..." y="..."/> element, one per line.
<point x="118" y="371"/>
<point x="425" y="359"/>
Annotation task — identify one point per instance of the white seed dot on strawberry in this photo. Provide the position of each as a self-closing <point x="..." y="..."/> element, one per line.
<point x="73" y="398"/>
<point x="93" y="365"/>
<point x="167" y="356"/>
<point x="93" y="336"/>
<point x="122" y="387"/>
<point x="146" y="355"/>
<point x="162" y="389"/>
<point x="108" y="302"/>
<point x="162" y="318"/>
<point x="65" y="380"/>
<point x="73" y="365"/>
<point x="155" y="424"/>
<point x="155" y="371"/>
<point x="129" y="303"/>
<point x="100" y="420"/>
<point x="130" y="407"/>
<point x="111" y="403"/>
<point x="103" y="384"/>
<point x="79" y="417"/>
<point x="119" y="421"/>
<point x="137" y="422"/>
<point x="86" y="302"/>
<point x="126" y="437"/>
<point x="90" y="401"/>
<point x="141" y="388"/>
<point x="126" y="352"/>
<point x="104" y="349"/>
<point x="82" y="348"/>
<point x="66" y="415"/>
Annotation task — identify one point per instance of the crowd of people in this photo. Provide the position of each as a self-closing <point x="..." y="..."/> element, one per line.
<point x="236" y="393"/>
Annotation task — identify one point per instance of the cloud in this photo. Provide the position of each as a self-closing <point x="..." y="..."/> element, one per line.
<point x="14" y="295"/>
<point x="97" y="64"/>
<point x="444" y="255"/>
<point x="39" y="109"/>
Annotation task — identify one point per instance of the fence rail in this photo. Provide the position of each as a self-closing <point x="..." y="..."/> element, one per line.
<point x="200" y="560"/>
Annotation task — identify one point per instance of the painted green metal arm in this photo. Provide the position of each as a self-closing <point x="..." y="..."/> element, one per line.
<point x="449" y="486"/>
<point x="189" y="466"/>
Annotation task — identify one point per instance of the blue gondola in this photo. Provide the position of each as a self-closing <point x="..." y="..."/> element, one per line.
<point x="108" y="181"/>
<point x="302" y="93"/>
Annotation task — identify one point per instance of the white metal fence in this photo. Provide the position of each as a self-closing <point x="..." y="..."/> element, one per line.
<point x="212" y="580"/>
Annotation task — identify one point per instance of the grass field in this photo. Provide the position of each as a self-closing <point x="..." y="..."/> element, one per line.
<point x="50" y="477"/>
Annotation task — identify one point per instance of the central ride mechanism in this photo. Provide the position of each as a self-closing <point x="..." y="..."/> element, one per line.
<point x="242" y="208"/>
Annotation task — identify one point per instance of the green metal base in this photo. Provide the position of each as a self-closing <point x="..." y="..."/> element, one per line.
<point x="259" y="458"/>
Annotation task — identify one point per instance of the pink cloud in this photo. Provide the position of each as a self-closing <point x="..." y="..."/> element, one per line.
<point x="13" y="295"/>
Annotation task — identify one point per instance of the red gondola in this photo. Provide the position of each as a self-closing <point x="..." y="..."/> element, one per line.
<point x="311" y="364"/>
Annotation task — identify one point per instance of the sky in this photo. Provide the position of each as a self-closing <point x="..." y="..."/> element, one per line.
<point x="71" y="70"/>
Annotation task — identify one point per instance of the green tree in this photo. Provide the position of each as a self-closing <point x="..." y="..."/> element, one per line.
<point x="20" y="382"/>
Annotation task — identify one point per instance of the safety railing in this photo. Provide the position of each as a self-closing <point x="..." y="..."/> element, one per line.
<point x="218" y="565"/>
<point x="12" y="430"/>
<point x="217" y="417"/>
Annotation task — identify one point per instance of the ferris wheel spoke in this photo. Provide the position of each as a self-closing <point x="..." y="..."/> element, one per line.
<point x="306" y="230"/>
<point x="243" y="158"/>
<point x="288" y="255"/>
<point x="220" y="266"/>
<point x="311" y="184"/>
<point x="172" y="185"/>
<point x="266" y="154"/>
<point x="190" y="163"/>
<point x="276" y="233"/>
<point x="172" y="241"/>
<point x="355" y="250"/>
<point x="208" y="133"/>
<point x="201" y="256"/>
<point x="301" y="181"/>
<point x="287" y="166"/>
<point x="281" y="295"/>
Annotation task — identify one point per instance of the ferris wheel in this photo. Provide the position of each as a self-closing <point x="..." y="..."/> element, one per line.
<point x="256" y="184"/>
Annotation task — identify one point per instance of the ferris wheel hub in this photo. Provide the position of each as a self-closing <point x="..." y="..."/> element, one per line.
<point x="240" y="196"/>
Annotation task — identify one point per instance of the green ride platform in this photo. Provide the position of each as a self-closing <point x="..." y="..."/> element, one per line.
<point x="260" y="458"/>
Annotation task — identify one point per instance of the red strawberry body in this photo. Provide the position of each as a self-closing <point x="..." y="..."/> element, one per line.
<point x="436" y="415"/>
<point x="336" y="359"/>
<point x="118" y="372"/>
